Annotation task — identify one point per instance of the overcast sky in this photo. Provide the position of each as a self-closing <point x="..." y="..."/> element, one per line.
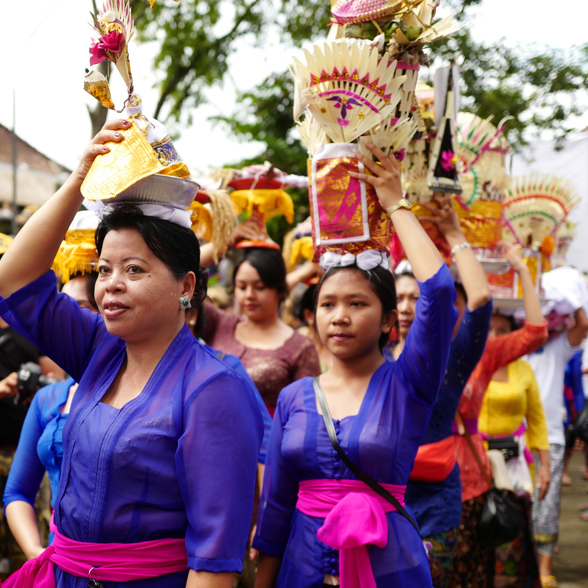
<point x="44" y="48"/>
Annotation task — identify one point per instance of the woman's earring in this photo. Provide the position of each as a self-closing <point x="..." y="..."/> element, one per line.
<point x="185" y="302"/>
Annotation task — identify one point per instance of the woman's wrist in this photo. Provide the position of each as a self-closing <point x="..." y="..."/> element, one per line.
<point x="455" y="237"/>
<point x="391" y="207"/>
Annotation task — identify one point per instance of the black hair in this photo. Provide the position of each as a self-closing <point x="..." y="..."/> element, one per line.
<point x="306" y="302"/>
<point x="459" y="288"/>
<point x="269" y="265"/>
<point x="404" y="274"/>
<point x="381" y="282"/>
<point x="514" y="326"/>
<point x="176" y="246"/>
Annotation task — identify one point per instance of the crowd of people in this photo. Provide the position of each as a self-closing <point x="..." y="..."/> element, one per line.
<point x="192" y="446"/>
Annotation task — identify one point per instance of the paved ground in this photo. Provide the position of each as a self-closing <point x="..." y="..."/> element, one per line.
<point x="571" y="563"/>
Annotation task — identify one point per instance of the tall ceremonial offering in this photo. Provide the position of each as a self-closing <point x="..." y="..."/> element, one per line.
<point x="259" y="191"/>
<point x="143" y="169"/>
<point x="535" y="208"/>
<point x="359" y="86"/>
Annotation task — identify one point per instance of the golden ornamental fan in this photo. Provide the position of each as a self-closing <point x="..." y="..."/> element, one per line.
<point x="347" y="87"/>
<point x="535" y="206"/>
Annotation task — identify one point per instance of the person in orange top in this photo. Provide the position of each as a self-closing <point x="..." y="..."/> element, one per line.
<point x="470" y="559"/>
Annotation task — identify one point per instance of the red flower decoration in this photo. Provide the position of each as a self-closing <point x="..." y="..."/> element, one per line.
<point x="106" y="46"/>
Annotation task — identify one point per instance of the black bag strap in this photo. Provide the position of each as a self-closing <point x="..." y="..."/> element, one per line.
<point x="354" y="469"/>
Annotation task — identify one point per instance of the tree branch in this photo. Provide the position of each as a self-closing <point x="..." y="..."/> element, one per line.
<point x="182" y="71"/>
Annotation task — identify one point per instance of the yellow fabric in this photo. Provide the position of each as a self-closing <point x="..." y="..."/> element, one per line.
<point x="301" y="248"/>
<point x="76" y="255"/>
<point x="201" y="219"/>
<point x="125" y="164"/>
<point x="179" y="170"/>
<point x="5" y="241"/>
<point x="507" y="403"/>
<point x="268" y="203"/>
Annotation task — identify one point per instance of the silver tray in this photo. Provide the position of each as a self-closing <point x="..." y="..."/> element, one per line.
<point x="511" y="303"/>
<point x="508" y="303"/>
<point x="160" y="189"/>
<point x="494" y="266"/>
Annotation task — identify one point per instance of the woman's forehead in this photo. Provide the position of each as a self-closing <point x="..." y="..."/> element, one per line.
<point x="344" y="281"/>
<point x="406" y="284"/>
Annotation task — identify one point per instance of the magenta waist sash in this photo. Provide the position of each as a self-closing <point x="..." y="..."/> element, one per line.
<point x="114" y="562"/>
<point x="471" y="426"/>
<point x="355" y="517"/>
<point x="518" y="433"/>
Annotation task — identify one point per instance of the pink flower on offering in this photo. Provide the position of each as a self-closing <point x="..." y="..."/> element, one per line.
<point x="400" y="155"/>
<point x="113" y="42"/>
<point x="448" y="160"/>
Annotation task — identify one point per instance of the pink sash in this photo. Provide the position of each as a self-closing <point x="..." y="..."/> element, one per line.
<point x="518" y="433"/>
<point x="355" y="517"/>
<point x="115" y="562"/>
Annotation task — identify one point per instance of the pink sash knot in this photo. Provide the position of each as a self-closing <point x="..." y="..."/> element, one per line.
<point x="355" y="517"/>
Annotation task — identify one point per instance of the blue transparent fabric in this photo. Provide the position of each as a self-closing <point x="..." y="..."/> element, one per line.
<point x="178" y="461"/>
<point x="382" y="439"/>
<point x="236" y="364"/>
<point x="40" y="447"/>
<point x="437" y="505"/>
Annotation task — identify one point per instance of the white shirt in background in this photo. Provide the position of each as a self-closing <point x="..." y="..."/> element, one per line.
<point x="549" y="364"/>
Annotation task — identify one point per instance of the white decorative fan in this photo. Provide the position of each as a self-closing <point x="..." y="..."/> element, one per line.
<point x="347" y="87"/>
<point x="536" y="206"/>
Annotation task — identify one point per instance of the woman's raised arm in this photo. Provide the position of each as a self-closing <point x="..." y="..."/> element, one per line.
<point x="424" y="257"/>
<point x="34" y="248"/>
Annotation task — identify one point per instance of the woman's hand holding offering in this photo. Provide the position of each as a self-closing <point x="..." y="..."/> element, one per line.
<point x="445" y="218"/>
<point x="109" y="133"/>
<point x="248" y="230"/>
<point x="513" y="253"/>
<point x="386" y="178"/>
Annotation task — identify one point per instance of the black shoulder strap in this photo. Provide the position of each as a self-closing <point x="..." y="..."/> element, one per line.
<point x="354" y="469"/>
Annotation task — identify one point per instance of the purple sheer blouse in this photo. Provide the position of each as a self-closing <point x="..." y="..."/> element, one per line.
<point x="177" y="461"/>
<point x="382" y="439"/>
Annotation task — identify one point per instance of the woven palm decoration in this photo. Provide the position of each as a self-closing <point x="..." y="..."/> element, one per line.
<point x="535" y="207"/>
<point x="348" y="87"/>
<point x="391" y="135"/>
<point x="213" y="219"/>
<point x="481" y="150"/>
<point x="311" y="134"/>
<point x="564" y="236"/>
